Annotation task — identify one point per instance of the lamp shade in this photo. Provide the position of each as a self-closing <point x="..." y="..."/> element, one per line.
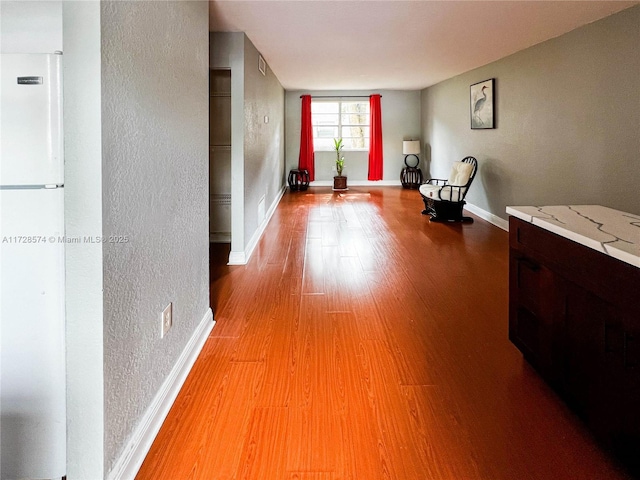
<point x="411" y="147"/>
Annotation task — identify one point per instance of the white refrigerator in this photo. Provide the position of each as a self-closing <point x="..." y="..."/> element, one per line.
<point x="32" y="320"/>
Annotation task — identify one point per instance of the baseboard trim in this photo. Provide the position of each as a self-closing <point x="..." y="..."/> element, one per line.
<point x="358" y="183"/>
<point x="137" y="448"/>
<point x="237" y="258"/>
<point x="488" y="216"/>
<point x="242" y="258"/>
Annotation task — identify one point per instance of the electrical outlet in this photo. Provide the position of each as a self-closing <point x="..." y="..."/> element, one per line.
<point x="166" y="320"/>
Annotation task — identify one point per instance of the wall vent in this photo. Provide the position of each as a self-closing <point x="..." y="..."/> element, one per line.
<point x="262" y="65"/>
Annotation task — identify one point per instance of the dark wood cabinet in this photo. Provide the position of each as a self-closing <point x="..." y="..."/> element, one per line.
<point x="574" y="313"/>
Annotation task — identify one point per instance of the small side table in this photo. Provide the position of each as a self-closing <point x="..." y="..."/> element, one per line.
<point x="298" y="180"/>
<point x="411" y="176"/>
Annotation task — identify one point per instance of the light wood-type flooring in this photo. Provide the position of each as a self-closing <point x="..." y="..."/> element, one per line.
<point x="363" y="342"/>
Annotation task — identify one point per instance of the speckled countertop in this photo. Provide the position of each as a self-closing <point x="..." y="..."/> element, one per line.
<point x="609" y="231"/>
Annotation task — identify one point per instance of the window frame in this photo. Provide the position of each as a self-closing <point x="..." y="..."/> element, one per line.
<point x="339" y="126"/>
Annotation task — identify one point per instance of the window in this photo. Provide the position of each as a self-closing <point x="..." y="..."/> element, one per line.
<point x="348" y="120"/>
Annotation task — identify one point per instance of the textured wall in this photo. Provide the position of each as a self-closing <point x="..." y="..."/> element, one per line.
<point x="155" y="193"/>
<point x="263" y="142"/>
<point x="568" y="122"/>
<point x="83" y="217"/>
<point x="400" y="121"/>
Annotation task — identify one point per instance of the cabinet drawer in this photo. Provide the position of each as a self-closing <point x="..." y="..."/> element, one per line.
<point x="609" y="278"/>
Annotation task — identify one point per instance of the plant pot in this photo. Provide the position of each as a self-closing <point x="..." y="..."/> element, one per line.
<point x="339" y="183"/>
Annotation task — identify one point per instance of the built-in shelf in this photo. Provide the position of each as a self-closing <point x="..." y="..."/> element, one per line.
<point x="220" y="155"/>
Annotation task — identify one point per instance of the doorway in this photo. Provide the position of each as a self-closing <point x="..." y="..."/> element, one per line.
<point x="220" y="156"/>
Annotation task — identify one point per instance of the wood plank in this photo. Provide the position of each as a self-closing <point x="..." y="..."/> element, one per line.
<point x="392" y="418"/>
<point x="262" y="455"/>
<point x="282" y="355"/>
<point x="313" y="439"/>
<point x="444" y="443"/>
<point x="311" y="476"/>
<point x="311" y="380"/>
<point x="223" y="440"/>
<point x="294" y="263"/>
<point x="313" y="275"/>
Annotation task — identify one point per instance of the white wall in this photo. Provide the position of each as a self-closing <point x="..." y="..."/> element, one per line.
<point x="155" y="196"/>
<point x="568" y="122"/>
<point x="400" y="121"/>
<point x="31" y="27"/>
<point x="83" y="217"/>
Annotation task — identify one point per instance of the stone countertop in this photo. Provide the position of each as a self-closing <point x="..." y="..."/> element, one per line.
<point x="609" y="231"/>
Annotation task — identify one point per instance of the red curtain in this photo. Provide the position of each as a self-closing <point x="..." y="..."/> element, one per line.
<point x="306" y="160"/>
<point x="375" y="140"/>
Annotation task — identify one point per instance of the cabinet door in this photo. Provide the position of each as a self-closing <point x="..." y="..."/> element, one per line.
<point x="618" y="417"/>
<point x="601" y="375"/>
<point x="584" y="356"/>
<point x="533" y="304"/>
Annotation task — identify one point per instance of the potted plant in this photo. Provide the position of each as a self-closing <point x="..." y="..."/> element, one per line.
<point x="339" y="181"/>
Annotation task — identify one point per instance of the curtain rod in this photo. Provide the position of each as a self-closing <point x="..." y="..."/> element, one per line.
<point x="339" y="96"/>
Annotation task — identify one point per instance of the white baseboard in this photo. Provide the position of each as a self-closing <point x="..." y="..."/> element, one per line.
<point x="358" y="183"/>
<point x="488" y="216"/>
<point x="134" y="453"/>
<point x="242" y="258"/>
<point x="237" y="258"/>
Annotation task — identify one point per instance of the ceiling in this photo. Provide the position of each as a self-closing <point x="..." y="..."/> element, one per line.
<point x="404" y="45"/>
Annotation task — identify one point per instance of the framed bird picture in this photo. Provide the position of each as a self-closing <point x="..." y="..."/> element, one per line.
<point x="482" y="112"/>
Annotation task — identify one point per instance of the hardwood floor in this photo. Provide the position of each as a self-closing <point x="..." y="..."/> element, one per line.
<point x="363" y="342"/>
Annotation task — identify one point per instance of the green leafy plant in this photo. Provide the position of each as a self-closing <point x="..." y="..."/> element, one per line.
<point x="337" y="145"/>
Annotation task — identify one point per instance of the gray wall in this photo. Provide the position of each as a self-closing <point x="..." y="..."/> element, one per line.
<point x="400" y="121"/>
<point x="155" y="183"/>
<point x="568" y="122"/>
<point x="263" y="142"/>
